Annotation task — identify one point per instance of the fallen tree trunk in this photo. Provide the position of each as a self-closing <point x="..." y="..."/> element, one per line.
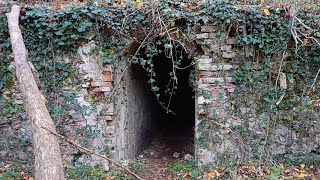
<point x="48" y="162"/>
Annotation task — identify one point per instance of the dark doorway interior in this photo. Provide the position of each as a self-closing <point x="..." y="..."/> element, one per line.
<point x="181" y="121"/>
<point x="174" y="132"/>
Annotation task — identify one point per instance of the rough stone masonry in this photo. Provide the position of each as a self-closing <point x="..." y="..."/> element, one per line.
<point x="119" y="124"/>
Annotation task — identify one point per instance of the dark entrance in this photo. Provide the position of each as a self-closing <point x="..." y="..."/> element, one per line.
<point x="174" y="132"/>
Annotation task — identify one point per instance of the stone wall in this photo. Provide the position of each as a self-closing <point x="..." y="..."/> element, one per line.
<point x="89" y="120"/>
<point x="135" y="112"/>
<point x="224" y="136"/>
<point x="120" y="121"/>
<point x="215" y="141"/>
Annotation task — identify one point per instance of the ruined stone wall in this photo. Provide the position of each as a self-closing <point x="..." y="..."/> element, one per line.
<point x="89" y="120"/>
<point x="224" y="136"/>
<point x="119" y="125"/>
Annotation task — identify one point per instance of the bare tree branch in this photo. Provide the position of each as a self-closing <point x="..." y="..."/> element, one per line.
<point x="89" y="151"/>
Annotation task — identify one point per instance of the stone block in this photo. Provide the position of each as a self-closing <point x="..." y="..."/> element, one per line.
<point x="229" y="87"/>
<point x="207" y="87"/>
<point x="97" y="83"/>
<point x="208" y="29"/>
<point x="202" y="36"/>
<point x="214" y="74"/>
<point x="229" y="54"/>
<point x="108" y="118"/>
<point x="85" y="84"/>
<point x="110" y="129"/>
<point x="214" y="80"/>
<point x="208" y="41"/>
<point x="212" y="35"/>
<point x="205" y="59"/>
<point x="231" y="41"/>
<point x="109" y="109"/>
<point x="108" y="84"/>
<point x="317" y="139"/>
<point x="105" y="89"/>
<point x="20" y="101"/>
<point x="202" y="111"/>
<point x="95" y="90"/>
<point x="225" y="48"/>
<point x="108" y="68"/>
<point x="101" y="89"/>
<point x="202" y="100"/>
<point x="216" y="67"/>
<point x="217" y="95"/>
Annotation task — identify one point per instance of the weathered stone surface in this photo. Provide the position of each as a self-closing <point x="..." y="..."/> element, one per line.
<point x="105" y="89"/>
<point x="215" y="67"/>
<point x="205" y="59"/>
<point x="124" y="132"/>
<point x="202" y="36"/>
<point x="202" y="100"/>
<point x="214" y="74"/>
<point x="277" y="149"/>
<point x="216" y="80"/>
<point x="108" y="118"/>
<point x="317" y="139"/>
<point x="97" y="83"/>
<point x="229" y="54"/>
<point x="89" y="68"/>
<point x="225" y="48"/>
<point x="176" y="155"/>
<point x="208" y="41"/>
<point x="231" y="41"/>
<point x="208" y="28"/>
<point x="188" y="157"/>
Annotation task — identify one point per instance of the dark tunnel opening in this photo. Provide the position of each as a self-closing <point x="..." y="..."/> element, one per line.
<point x="181" y="121"/>
<point x="173" y="130"/>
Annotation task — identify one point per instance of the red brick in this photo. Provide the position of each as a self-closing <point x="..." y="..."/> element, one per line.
<point x="108" y="118"/>
<point x="229" y="86"/>
<point x="97" y="83"/>
<point x="107" y="76"/>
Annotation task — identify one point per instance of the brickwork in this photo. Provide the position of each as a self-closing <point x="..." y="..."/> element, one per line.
<point x="214" y="84"/>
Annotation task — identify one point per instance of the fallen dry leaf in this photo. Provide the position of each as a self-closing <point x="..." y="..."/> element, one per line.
<point x="301" y="174"/>
<point x="266" y="11"/>
<point x="305" y="42"/>
<point x="211" y="175"/>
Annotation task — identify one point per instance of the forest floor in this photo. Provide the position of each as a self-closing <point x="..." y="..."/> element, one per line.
<point x="157" y="162"/>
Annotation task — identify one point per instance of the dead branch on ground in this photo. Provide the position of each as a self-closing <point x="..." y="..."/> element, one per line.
<point x="89" y="151"/>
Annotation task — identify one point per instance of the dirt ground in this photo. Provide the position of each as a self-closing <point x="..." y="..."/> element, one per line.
<point x="158" y="157"/>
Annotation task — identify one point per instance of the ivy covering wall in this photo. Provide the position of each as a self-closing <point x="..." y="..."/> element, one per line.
<point x="278" y="53"/>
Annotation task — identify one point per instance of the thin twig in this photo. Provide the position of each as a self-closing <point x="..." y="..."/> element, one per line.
<point x="294" y="35"/>
<point x="304" y="25"/>
<point x="281" y="62"/>
<point x="89" y="151"/>
<point x="127" y="16"/>
<point x="306" y="36"/>
<point x="314" y="81"/>
<point x="171" y="46"/>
